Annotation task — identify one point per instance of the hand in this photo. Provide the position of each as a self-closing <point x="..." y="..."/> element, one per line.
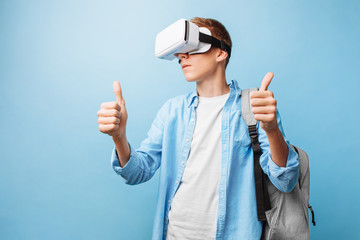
<point x="264" y="105"/>
<point x="112" y="116"/>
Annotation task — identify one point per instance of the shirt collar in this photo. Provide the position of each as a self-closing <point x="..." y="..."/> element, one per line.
<point x="193" y="97"/>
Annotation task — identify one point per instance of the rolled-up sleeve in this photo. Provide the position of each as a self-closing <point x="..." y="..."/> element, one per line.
<point x="131" y="168"/>
<point x="283" y="178"/>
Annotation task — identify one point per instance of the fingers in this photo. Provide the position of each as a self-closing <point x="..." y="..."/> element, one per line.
<point x="108" y="120"/>
<point x="265" y="117"/>
<point x="266" y="81"/>
<point x="261" y="94"/>
<point x="118" y="92"/>
<point x="109" y="109"/>
<point x="110" y="105"/>
<point x="264" y="110"/>
<point x="108" y="128"/>
<point x="263" y="101"/>
<point x="112" y="116"/>
<point x="263" y="104"/>
<point x="108" y="113"/>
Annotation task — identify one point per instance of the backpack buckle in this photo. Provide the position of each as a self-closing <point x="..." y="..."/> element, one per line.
<point x="253" y="131"/>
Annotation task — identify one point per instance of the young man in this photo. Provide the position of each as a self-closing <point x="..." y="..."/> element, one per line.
<point x="201" y="145"/>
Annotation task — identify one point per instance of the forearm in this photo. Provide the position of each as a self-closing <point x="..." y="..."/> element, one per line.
<point x="278" y="147"/>
<point x="122" y="149"/>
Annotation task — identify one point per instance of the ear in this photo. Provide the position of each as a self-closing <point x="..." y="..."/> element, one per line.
<point x="221" y="55"/>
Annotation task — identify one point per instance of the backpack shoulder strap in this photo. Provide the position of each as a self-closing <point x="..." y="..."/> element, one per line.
<point x="262" y="195"/>
<point x="246" y="112"/>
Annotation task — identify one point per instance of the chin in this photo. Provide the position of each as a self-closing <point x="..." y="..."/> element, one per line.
<point x="190" y="78"/>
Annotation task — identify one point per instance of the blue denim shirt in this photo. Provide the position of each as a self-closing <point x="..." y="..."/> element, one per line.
<point x="167" y="147"/>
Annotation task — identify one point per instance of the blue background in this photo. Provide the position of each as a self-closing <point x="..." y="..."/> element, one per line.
<point x="58" y="60"/>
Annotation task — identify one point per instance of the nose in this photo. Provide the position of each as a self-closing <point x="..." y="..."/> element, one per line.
<point x="182" y="56"/>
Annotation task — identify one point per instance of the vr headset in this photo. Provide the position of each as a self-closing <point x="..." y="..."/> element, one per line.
<point x="184" y="36"/>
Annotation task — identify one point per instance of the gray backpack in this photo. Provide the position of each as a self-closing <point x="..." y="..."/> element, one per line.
<point x="284" y="215"/>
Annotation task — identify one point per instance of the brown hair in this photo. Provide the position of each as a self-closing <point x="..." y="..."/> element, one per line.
<point x="217" y="30"/>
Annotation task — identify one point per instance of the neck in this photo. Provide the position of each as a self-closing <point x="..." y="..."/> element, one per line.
<point x="213" y="86"/>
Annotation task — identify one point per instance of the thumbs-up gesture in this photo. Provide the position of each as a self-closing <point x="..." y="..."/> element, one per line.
<point x="112" y="116"/>
<point x="264" y="105"/>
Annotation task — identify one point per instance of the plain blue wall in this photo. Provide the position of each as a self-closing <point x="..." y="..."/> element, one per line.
<point x="58" y="60"/>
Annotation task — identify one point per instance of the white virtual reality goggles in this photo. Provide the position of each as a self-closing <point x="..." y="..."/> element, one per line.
<point x="184" y="36"/>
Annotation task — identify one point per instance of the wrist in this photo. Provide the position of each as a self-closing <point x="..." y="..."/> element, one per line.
<point x="272" y="130"/>
<point x="122" y="148"/>
<point x="121" y="137"/>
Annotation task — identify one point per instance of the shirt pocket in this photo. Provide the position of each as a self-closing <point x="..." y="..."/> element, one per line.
<point x="240" y="135"/>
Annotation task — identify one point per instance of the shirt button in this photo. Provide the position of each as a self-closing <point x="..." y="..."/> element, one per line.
<point x="187" y="140"/>
<point x="192" y="120"/>
<point x="176" y="182"/>
<point x="182" y="163"/>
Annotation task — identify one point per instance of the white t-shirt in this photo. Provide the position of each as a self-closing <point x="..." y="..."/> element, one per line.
<point x="193" y="212"/>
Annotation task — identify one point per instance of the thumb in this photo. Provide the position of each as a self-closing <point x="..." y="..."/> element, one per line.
<point x="118" y="93"/>
<point x="266" y="81"/>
